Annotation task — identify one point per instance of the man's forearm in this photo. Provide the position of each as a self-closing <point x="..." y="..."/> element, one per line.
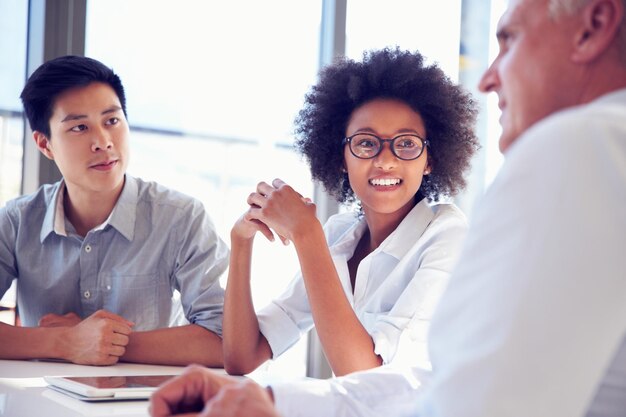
<point x="182" y="345"/>
<point x="30" y="342"/>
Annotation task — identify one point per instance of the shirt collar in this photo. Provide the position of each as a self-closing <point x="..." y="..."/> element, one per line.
<point x="617" y="96"/>
<point x="401" y="240"/>
<point x="122" y="218"/>
<point x="54" y="211"/>
<point x="346" y="245"/>
<point x="124" y="213"/>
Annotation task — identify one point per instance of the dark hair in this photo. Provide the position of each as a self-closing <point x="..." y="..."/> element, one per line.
<point x="58" y="75"/>
<point x="449" y="114"/>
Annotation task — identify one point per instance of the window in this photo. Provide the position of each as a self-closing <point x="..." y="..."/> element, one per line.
<point x="432" y="28"/>
<point x="494" y="157"/>
<point x="212" y="93"/>
<point x="213" y="90"/>
<point x="13" y="21"/>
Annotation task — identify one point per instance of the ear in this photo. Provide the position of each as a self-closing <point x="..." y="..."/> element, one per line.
<point x="43" y="144"/>
<point x="428" y="168"/>
<point x="601" y="21"/>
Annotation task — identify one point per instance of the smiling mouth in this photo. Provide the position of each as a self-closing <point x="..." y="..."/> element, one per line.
<point x="385" y="182"/>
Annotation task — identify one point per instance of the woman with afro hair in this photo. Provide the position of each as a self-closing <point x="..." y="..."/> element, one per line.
<point x="396" y="137"/>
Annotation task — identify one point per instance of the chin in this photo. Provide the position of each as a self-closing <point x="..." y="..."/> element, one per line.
<point x="506" y="140"/>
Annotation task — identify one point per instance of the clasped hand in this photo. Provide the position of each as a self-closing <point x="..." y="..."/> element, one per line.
<point x="276" y="207"/>
<point x="100" y="339"/>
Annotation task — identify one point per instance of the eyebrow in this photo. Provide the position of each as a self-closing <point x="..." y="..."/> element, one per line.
<point x="71" y="117"/>
<point x="399" y="132"/>
<point x="503" y="28"/>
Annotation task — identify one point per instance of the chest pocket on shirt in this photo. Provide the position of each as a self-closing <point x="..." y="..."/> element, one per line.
<point x="132" y="296"/>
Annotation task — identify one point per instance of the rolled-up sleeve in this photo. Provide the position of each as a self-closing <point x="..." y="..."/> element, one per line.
<point x="383" y="391"/>
<point x="287" y="318"/>
<point x="8" y="269"/>
<point x="202" y="257"/>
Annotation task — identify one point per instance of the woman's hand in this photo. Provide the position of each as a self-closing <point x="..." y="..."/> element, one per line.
<point x="280" y="208"/>
<point x="246" y="227"/>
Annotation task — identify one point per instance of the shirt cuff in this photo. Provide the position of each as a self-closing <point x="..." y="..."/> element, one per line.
<point x="383" y="391"/>
<point x="278" y="328"/>
<point x="310" y="397"/>
<point x="390" y="342"/>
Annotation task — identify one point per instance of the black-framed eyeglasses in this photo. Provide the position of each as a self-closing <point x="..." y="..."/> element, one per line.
<point x="406" y="146"/>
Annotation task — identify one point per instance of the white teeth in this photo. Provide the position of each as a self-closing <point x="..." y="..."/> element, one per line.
<point x="385" y="181"/>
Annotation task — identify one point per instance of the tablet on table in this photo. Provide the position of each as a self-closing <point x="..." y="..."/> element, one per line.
<point x="107" y="388"/>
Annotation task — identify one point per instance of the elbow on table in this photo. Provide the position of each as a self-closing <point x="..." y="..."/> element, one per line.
<point x="240" y="364"/>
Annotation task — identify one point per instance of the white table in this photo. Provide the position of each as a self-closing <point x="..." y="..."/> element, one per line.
<point x="23" y="391"/>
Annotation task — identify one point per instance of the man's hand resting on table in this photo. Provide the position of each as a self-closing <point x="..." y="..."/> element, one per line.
<point x="100" y="339"/>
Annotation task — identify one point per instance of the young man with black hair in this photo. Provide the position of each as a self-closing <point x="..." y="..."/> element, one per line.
<point x="99" y="256"/>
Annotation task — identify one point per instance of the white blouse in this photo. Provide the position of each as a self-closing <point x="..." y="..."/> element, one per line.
<point x="397" y="285"/>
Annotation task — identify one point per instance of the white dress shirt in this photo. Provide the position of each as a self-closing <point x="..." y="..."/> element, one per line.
<point x="533" y="321"/>
<point x="397" y="285"/>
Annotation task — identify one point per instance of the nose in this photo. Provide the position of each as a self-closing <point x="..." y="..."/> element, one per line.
<point x="101" y="140"/>
<point x="385" y="159"/>
<point x="489" y="81"/>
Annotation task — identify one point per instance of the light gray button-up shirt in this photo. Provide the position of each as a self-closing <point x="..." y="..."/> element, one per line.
<point x="154" y="242"/>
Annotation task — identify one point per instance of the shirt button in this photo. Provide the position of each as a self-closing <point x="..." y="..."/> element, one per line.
<point x="87" y="294"/>
<point x="108" y="287"/>
<point x="88" y="248"/>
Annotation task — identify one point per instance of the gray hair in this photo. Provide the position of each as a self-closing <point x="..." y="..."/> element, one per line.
<point x="558" y="8"/>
